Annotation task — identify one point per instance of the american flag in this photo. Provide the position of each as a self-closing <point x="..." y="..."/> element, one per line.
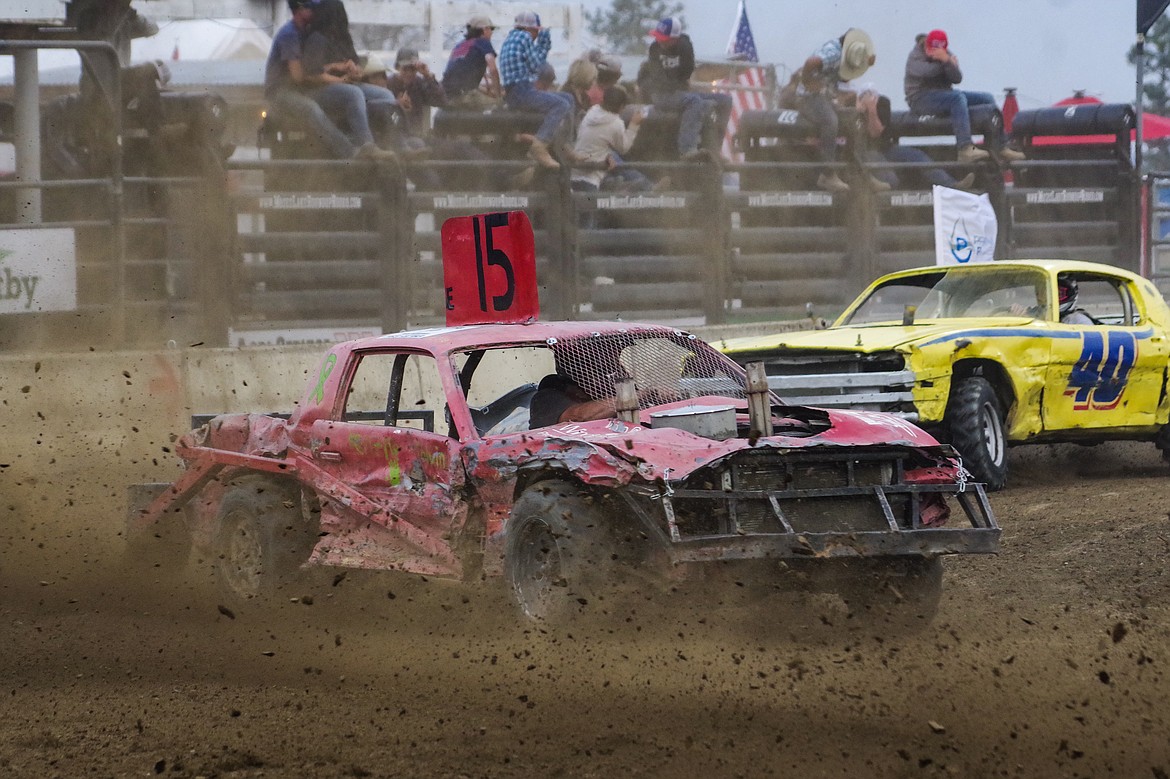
<point x="747" y="90"/>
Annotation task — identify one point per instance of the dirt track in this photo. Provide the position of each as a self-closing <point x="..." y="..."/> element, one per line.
<point x="1048" y="660"/>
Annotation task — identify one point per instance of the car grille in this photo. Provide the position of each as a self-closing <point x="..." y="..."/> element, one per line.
<point x="867" y="382"/>
<point x="768" y="491"/>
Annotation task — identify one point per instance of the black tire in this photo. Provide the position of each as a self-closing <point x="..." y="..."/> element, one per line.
<point x="974" y="420"/>
<point x="1162" y="441"/>
<point x="262" y="541"/>
<point x="559" y="560"/>
<point x="903" y="591"/>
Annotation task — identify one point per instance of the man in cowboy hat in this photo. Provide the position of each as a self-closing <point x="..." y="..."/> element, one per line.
<point x="932" y="70"/>
<point x="840" y="59"/>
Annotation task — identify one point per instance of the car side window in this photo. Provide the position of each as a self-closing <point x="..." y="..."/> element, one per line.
<point x="398" y="390"/>
<point x="501" y="385"/>
<point x="1106" y="300"/>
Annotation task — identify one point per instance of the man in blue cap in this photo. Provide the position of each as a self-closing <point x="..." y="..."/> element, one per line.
<point x="666" y="78"/>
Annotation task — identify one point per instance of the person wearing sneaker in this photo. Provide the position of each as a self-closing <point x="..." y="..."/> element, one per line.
<point x="819" y="92"/>
<point x="666" y="77"/>
<point x="932" y="70"/>
<point x="523" y="53"/>
<point x="874" y="111"/>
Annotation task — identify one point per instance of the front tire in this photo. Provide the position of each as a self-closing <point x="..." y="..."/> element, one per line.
<point x="974" y="419"/>
<point x="262" y="541"/>
<point x="559" y="560"/>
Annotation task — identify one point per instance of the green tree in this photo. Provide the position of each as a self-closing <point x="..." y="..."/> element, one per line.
<point x="1155" y="87"/>
<point x="1156" y="53"/>
<point x="623" y="23"/>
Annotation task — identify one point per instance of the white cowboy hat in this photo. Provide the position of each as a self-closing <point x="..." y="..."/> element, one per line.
<point x="856" y="54"/>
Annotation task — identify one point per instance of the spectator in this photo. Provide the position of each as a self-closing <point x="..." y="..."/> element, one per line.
<point x="874" y="111"/>
<point x="819" y="93"/>
<point x="292" y="91"/>
<point x="374" y="71"/>
<point x="417" y="91"/>
<point x="546" y="78"/>
<point x="472" y="61"/>
<point x="609" y="73"/>
<point x="329" y="52"/>
<point x="665" y="80"/>
<point x="602" y="140"/>
<point x="932" y="70"/>
<point x="523" y="52"/>
<point x="582" y="77"/>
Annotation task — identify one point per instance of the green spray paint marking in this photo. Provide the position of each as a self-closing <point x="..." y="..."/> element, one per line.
<point x="326" y="369"/>
<point x="390" y="452"/>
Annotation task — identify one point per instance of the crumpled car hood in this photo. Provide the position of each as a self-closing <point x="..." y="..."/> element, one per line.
<point x="613" y="451"/>
<point x="872" y="338"/>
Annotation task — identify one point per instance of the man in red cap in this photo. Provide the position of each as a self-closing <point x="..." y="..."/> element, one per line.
<point x="666" y="77"/>
<point x="932" y="70"/>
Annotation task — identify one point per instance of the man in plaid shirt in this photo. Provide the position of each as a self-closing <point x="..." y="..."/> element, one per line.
<point x="521" y="57"/>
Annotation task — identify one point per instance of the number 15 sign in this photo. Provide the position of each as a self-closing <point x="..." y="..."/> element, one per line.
<point x="489" y="269"/>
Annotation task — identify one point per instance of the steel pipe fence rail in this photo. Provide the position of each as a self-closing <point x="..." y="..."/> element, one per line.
<point x="292" y="243"/>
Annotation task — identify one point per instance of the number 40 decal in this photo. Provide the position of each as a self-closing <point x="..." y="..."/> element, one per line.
<point x="1101" y="372"/>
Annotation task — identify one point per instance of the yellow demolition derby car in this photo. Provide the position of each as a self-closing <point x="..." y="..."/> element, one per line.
<point x="989" y="355"/>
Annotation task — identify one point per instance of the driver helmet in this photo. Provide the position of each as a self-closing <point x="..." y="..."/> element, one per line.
<point x="1066" y="291"/>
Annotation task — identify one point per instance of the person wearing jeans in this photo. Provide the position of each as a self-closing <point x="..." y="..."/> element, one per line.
<point x="666" y="79"/>
<point x="293" y="91"/>
<point x="819" y="92"/>
<point x="523" y="53"/>
<point x="932" y="70"/>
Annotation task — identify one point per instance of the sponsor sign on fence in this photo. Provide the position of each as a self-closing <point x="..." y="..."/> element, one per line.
<point x="38" y="271"/>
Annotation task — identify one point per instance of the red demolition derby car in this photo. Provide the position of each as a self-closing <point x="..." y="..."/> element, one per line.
<point x="574" y="461"/>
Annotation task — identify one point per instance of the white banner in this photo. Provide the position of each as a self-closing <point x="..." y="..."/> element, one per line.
<point x="300" y="335"/>
<point x="38" y="271"/>
<point x="964" y="227"/>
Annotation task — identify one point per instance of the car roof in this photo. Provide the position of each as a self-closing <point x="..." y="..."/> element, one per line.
<point x="447" y="339"/>
<point x="1046" y="265"/>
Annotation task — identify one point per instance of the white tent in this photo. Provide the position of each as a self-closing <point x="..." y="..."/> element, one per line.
<point x="215" y="40"/>
<point x="204" y="39"/>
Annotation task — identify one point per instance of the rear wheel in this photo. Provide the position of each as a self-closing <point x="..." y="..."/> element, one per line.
<point x="974" y="419"/>
<point x="262" y="541"/>
<point x="559" y="560"/>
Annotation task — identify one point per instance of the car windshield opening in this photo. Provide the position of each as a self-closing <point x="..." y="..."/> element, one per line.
<point x="952" y="294"/>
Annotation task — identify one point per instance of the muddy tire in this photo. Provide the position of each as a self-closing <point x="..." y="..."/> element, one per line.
<point x="261" y="543"/>
<point x="559" y="561"/>
<point x="974" y="420"/>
